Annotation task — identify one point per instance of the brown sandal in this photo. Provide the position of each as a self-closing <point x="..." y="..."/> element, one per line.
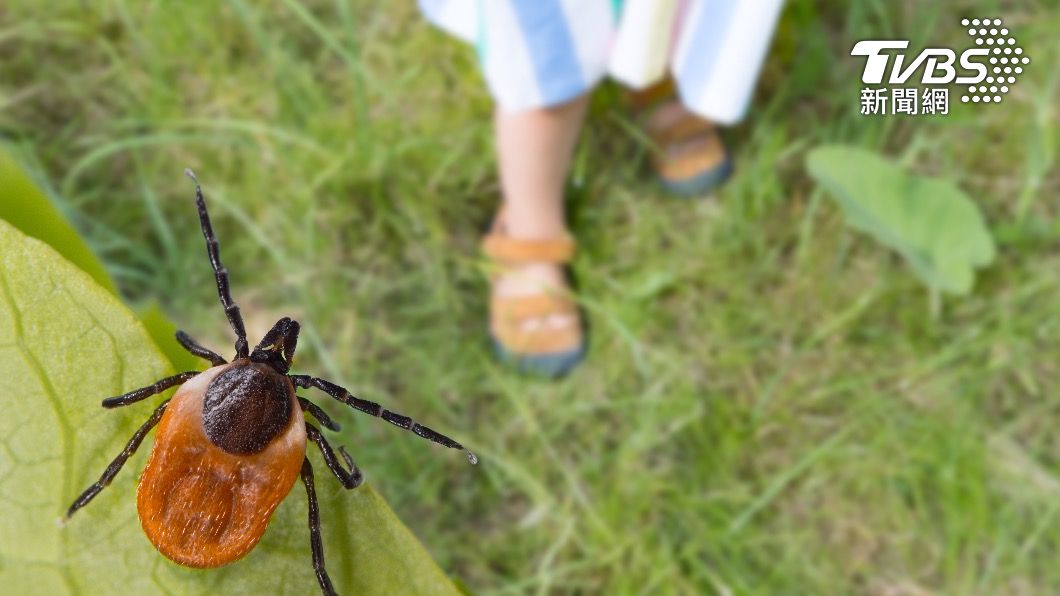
<point x="691" y="159"/>
<point x="548" y="352"/>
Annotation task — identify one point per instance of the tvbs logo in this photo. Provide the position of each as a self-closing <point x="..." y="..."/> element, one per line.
<point x="937" y="62"/>
<point x="988" y="69"/>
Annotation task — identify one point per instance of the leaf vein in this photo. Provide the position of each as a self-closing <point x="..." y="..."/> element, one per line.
<point x="53" y="400"/>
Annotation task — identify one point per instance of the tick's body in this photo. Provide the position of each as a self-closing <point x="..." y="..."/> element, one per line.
<point x="232" y="442"/>
<point x="200" y="503"/>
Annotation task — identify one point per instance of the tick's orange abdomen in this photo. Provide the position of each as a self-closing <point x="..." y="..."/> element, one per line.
<point x="202" y="506"/>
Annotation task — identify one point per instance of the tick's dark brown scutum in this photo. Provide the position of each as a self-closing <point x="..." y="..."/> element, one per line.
<point x="232" y="442"/>
<point x="246" y="406"/>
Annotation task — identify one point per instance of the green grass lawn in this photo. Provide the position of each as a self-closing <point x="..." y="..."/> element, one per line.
<point x="769" y="406"/>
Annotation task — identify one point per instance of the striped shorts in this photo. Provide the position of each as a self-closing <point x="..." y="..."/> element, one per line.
<point x="540" y="53"/>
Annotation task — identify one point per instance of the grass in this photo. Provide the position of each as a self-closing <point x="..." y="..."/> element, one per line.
<point x="769" y="406"/>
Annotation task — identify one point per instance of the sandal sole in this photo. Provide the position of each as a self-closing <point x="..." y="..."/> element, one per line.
<point x="701" y="183"/>
<point x="550" y="366"/>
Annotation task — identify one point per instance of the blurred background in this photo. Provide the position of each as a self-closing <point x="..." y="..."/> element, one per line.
<point x="773" y="403"/>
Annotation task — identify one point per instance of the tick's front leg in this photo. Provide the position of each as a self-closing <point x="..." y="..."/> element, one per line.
<point x="143" y="393"/>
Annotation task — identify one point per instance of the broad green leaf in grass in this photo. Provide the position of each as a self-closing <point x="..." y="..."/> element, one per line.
<point x="66" y="343"/>
<point x="929" y="221"/>
<point x="24" y="206"/>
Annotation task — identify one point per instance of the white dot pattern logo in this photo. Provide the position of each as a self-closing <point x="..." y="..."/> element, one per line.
<point x="989" y="32"/>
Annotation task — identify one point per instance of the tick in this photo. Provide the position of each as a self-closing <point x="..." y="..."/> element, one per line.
<point x="231" y="442"/>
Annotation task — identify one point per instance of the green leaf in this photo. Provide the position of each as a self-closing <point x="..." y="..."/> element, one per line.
<point x="162" y="330"/>
<point x="30" y="211"/>
<point x="929" y="221"/>
<point x="66" y="343"/>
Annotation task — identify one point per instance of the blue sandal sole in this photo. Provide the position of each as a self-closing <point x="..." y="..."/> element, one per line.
<point x="550" y="366"/>
<point x="701" y="183"/>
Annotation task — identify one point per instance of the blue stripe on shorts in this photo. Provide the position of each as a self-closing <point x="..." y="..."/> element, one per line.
<point x="551" y="48"/>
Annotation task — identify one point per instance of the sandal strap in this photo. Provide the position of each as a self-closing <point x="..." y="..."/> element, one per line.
<point x="690" y="158"/>
<point x="521" y="308"/>
<point x="541" y="342"/>
<point x="646" y="102"/>
<point x="508" y="314"/>
<point x="643" y="100"/>
<point x="685" y="128"/>
<point x="509" y="250"/>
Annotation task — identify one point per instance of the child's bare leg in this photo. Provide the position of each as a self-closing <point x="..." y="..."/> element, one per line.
<point x="534" y="150"/>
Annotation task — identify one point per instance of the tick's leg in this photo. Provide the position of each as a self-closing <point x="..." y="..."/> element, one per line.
<point x="198" y="350"/>
<point x="375" y="409"/>
<point x="318" y="413"/>
<point x="314" y="530"/>
<point x="349" y="478"/>
<point x="115" y="466"/>
<point x="145" y="392"/>
<point x="213" y="249"/>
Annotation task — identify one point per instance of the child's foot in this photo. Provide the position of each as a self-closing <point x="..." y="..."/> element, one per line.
<point x="691" y="159"/>
<point x="534" y="322"/>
